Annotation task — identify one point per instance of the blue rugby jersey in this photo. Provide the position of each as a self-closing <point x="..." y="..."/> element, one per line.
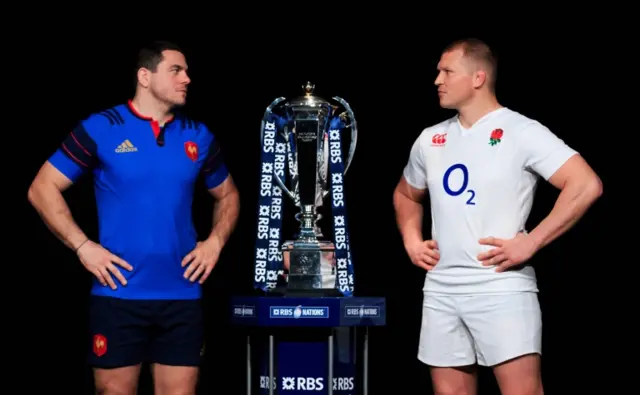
<point x="144" y="178"/>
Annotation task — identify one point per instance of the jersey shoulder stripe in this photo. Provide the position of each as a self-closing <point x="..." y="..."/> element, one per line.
<point x="81" y="148"/>
<point x="113" y="116"/>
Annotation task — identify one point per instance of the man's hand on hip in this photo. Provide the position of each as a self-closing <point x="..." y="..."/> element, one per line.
<point x="424" y="254"/>
<point x="202" y="260"/>
<point x="102" y="263"/>
<point x="508" y="252"/>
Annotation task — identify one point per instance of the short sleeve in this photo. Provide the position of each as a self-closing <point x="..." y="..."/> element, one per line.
<point x="543" y="152"/>
<point x="78" y="153"/>
<point x="415" y="172"/>
<point x="214" y="167"/>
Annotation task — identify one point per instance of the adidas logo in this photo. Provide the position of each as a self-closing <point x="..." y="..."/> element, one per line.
<point x="126" y="146"/>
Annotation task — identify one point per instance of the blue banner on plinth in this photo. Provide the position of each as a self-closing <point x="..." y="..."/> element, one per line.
<point x="303" y="368"/>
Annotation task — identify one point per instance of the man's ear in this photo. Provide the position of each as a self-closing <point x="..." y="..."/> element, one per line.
<point x="143" y="76"/>
<point x="479" y="78"/>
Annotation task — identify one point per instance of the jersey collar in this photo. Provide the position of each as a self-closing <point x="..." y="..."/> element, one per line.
<point x="135" y="113"/>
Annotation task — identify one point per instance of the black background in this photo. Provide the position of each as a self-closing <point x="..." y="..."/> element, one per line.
<point x="391" y="91"/>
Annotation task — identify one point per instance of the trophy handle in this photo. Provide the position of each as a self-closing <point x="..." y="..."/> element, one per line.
<point x="267" y="112"/>
<point x="354" y="131"/>
<point x="354" y="135"/>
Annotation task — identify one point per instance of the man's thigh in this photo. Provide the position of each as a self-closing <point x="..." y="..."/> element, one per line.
<point x="178" y="333"/>
<point x="177" y="347"/>
<point x="503" y="327"/>
<point x="119" y="331"/>
<point x="444" y="339"/>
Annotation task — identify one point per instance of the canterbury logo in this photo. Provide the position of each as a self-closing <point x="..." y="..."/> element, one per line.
<point x="126" y="146"/>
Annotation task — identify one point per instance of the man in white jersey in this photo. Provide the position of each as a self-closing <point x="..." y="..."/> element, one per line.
<point x="480" y="169"/>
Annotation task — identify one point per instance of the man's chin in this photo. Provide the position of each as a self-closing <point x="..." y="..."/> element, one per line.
<point x="447" y="105"/>
<point x="179" y="102"/>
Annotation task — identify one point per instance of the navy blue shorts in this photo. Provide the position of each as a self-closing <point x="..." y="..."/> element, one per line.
<point x="128" y="332"/>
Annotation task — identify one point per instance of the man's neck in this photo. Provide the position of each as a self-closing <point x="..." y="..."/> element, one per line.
<point x="471" y="112"/>
<point x="150" y="107"/>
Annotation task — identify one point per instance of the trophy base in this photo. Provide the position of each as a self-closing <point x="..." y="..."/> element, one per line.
<point x="312" y="269"/>
<point x="283" y="290"/>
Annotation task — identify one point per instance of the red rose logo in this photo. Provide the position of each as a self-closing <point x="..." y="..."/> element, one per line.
<point x="496" y="137"/>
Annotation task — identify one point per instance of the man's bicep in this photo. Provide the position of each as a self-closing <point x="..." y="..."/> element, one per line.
<point x="409" y="191"/>
<point x="51" y="175"/>
<point x="224" y="188"/>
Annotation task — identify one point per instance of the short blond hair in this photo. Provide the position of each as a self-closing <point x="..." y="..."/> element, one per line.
<point x="480" y="53"/>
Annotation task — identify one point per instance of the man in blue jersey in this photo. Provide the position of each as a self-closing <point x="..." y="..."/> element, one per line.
<point x="145" y="158"/>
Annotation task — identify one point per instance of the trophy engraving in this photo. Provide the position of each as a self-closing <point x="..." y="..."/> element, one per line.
<point x="305" y="136"/>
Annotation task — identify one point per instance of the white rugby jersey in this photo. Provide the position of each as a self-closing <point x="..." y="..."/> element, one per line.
<point x="481" y="182"/>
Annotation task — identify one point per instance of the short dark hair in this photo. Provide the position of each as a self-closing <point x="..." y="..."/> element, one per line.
<point x="150" y="55"/>
<point x="479" y="51"/>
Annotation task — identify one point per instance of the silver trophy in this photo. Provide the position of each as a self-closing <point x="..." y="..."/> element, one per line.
<point x="310" y="257"/>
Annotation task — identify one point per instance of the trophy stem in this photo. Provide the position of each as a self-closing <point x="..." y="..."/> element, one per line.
<point x="308" y="229"/>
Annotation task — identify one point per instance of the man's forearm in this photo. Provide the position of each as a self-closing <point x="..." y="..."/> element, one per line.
<point x="572" y="203"/>
<point x="408" y="218"/>
<point x="225" y="217"/>
<point x="54" y="211"/>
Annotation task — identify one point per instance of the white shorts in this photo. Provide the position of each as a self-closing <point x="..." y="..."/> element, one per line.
<point x="483" y="329"/>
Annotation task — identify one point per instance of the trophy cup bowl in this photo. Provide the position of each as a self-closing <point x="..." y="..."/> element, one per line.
<point x="309" y="257"/>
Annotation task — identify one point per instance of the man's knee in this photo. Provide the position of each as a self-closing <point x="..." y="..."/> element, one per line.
<point x="454" y="381"/>
<point x="520" y="375"/>
<point x="175" y="380"/>
<point x="118" y="381"/>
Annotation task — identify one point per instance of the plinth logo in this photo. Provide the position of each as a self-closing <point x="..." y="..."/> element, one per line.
<point x="243" y="311"/>
<point x="298" y="312"/>
<point x="361" y="311"/>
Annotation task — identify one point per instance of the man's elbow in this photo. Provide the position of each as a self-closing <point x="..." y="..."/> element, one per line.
<point x="234" y="194"/>
<point x="42" y="187"/>
<point x="588" y="188"/>
<point x="595" y="188"/>
<point x="35" y="193"/>
<point x="47" y="182"/>
<point x="31" y="194"/>
<point x="233" y="197"/>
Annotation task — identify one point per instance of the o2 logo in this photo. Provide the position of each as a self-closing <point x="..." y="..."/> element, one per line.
<point x="465" y="182"/>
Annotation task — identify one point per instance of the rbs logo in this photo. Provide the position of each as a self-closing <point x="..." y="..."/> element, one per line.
<point x="303" y="383"/>
<point x="343" y="384"/>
